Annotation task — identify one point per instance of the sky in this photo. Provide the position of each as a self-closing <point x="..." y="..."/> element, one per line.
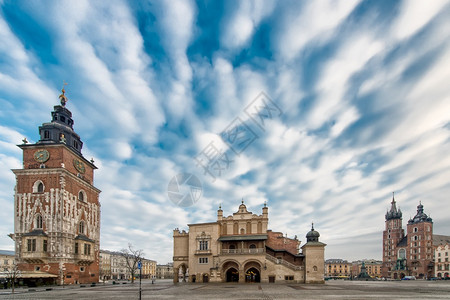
<point x="321" y="109"/>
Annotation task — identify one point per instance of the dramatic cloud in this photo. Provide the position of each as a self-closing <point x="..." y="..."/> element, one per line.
<point x="360" y="89"/>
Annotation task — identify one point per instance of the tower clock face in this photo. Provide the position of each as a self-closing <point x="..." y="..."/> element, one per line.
<point x="79" y="166"/>
<point x="41" y="156"/>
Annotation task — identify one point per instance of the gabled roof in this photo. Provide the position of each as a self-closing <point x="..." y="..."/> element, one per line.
<point x="440" y="239"/>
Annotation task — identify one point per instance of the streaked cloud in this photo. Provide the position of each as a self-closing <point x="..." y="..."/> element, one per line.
<point x="362" y="87"/>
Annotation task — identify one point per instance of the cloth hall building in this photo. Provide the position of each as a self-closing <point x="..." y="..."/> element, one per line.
<point x="240" y="248"/>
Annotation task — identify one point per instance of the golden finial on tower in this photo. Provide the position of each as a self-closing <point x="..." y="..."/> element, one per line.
<point x="63" y="97"/>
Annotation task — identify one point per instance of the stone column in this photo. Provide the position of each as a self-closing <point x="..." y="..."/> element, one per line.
<point x="175" y="275"/>
<point x="241" y="275"/>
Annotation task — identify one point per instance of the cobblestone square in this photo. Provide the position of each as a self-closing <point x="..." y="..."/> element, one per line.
<point x="165" y="289"/>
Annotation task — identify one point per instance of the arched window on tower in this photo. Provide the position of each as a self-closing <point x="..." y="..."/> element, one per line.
<point x="81" y="227"/>
<point x="38" y="187"/>
<point x="82" y="196"/>
<point x="38" y="224"/>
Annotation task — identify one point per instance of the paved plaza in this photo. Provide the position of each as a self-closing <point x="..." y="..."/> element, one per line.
<point x="165" y="289"/>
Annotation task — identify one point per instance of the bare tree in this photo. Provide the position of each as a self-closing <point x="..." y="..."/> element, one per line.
<point x="132" y="258"/>
<point x="12" y="274"/>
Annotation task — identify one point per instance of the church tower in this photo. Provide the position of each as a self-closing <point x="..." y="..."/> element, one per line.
<point x="392" y="235"/>
<point x="56" y="206"/>
<point x="420" y="243"/>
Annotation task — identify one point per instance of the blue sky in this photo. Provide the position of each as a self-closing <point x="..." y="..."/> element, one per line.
<point x="362" y="91"/>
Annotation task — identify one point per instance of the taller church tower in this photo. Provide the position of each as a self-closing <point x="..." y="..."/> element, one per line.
<point x="56" y="206"/>
<point x="392" y="235"/>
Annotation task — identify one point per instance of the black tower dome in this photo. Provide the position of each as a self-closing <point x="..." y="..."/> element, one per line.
<point x="312" y="236"/>
<point x="60" y="129"/>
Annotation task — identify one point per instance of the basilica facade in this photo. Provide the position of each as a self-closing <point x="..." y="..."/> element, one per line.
<point x="56" y="207"/>
<point x="409" y="254"/>
<point x="241" y="248"/>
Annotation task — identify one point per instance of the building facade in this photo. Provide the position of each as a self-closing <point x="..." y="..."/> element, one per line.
<point x="373" y="267"/>
<point x="148" y="268"/>
<point x="441" y="256"/>
<point x="240" y="248"/>
<point x="6" y="262"/>
<point x="164" y="271"/>
<point x="338" y="268"/>
<point x="119" y="270"/>
<point x="105" y="272"/>
<point x="410" y="254"/>
<point x="57" y="208"/>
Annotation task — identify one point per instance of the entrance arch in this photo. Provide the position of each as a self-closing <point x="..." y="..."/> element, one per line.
<point x="205" y="278"/>
<point x="230" y="271"/>
<point x="232" y="275"/>
<point x="252" y="271"/>
<point x="252" y="275"/>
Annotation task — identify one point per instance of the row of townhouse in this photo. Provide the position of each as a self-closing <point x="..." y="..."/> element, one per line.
<point x="113" y="266"/>
<point x="340" y="268"/>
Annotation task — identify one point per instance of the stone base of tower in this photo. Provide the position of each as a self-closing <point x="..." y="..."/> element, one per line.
<point x="60" y="274"/>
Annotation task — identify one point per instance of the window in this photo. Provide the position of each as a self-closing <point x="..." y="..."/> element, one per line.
<point x="37" y="268"/>
<point x="44" y="245"/>
<point x="62" y="119"/>
<point x="288" y="277"/>
<point x="315" y="269"/>
<point x="6" y="262"/>
<point x="31" y="245"/>
<point x="415" y="229"/>
<point x="46" y="134"/>
<point x="81" y="228"/>
<point x="76" y="248"/>
<point x="203" y="245"/>
<point x="87" y="249"/>
<point x="81" y="196"/>
<point x="81" y="269"/>
<point x="252" y="246"/>
<point x="202" y="260"/>
<point x="40" y="187"/>
<point x="38" y="224"/>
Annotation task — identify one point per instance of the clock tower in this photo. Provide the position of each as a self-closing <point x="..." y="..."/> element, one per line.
<point x="56" y="206"/>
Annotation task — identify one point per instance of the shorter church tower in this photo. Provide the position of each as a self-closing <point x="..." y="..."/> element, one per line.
<point x="420" y="241"/>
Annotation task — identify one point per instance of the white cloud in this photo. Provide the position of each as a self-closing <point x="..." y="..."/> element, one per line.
<point x="313" y="20"/>
<point x="242" y="23"/>
<point x="414" y="15"/>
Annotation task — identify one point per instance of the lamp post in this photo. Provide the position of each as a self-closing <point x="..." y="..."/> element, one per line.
<point x="140" y="279"/>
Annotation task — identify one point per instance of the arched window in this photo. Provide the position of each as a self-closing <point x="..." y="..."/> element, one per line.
<point x="402" y="253"/>
<point x="38" y="224"/>
<point x="38" y="187"/>
<point x="81" y="196"/>
<point x="81" y="227"/>
<point x="242" y="231"/>
<point x="315" y="269"/>
<point x="252" y="246"/>
<point x="259" y="227"/>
